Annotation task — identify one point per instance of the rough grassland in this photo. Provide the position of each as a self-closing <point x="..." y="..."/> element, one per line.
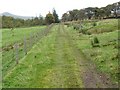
<point x="57" y="61"/>
<point x="18" y="34"/>
<point x="48" y="64"/>
<point x="106" y="56"/>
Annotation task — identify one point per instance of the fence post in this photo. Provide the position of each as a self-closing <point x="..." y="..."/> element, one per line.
<point x="25" y="46"/>
<point x="16" y="47"/>
<point x="38" y="36"/>
<point x="35" y="37"/>
<point x="12" y="51"/>
<point x="31" y="39"/>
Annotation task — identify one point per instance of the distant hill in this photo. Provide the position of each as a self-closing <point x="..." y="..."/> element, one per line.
<point x="15" y="16"/>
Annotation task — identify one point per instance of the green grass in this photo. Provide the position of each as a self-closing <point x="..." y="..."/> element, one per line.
<point x="29" y="66"/>
<point x="100" y="26"/>
<point x="105" y="57"/>
<point x="18" y="34"/>
<point x="52" y="62"/>
<point x="49" y="64"/>
<point x="9" y="56"/>
<point x="107" y="25"/>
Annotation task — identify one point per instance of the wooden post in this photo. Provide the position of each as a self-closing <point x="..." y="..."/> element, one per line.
<point x="16" y="47"/>
<point x="25" y="46"/>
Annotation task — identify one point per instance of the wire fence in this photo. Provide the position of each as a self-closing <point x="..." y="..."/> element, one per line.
<point x="12" y="54"/>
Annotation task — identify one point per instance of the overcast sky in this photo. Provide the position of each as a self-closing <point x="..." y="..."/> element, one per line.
<point x="36" y="7"/>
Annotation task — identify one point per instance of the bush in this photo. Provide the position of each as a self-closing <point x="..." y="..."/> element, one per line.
<point x="76" y="27"/>
<point x="94" y="24"/>
<point x="83" y="31"/>
<point x="88" y="33"/>
<point x="96" y="41"/>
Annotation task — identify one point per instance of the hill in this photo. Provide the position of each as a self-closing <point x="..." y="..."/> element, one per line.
<point x="15" y="16"/>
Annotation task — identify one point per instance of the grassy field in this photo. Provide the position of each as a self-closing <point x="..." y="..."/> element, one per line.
<point x="102" y="26"/>
<point x="65" y="58"/>
<point x="106" y="56"/>
<point x="18" y="34"/>
<point x="95" y="27"/>
<point x="44" y="66"/>
<point x="9" y="54"/>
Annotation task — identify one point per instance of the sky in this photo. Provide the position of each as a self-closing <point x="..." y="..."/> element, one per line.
<point x="37" y="7"/>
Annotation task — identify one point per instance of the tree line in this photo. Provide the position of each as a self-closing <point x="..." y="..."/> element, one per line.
<point x="110" y="11"/>
<point x="11" y="22"/>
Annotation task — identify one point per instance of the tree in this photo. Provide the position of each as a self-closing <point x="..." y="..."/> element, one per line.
<point x="65" y="17"/>
<point x="49" y="18"/>
<point x="96" y="14"/>
<point x="82" y="14"/>
<point x="7" y="21"/>
<point x="18" y="22"/>
<point x="36" y="21"/>
<point x="74" y="15"/>
<point x="89" y="12"/>
<point x="42" y="21"/>
<point x="55" y="16"/>
<point x="108" y="10"/>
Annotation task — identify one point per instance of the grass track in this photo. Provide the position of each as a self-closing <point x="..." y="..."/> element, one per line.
<point x="55" y="62"/>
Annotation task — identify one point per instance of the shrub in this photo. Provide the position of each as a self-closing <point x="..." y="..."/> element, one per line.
<point x="76" y="27"/>
<point x="94" y="24"/>
<point x="83" y="31"/>
<point x="88" y="33"/>
<point x="96" y="41"/>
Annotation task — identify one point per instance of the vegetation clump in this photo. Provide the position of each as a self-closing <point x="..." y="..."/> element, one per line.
<point x="95" y="42"/>
<point x="94" y="24"/>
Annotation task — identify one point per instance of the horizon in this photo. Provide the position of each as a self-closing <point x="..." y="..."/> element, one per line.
<point x="26" y="10"/>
